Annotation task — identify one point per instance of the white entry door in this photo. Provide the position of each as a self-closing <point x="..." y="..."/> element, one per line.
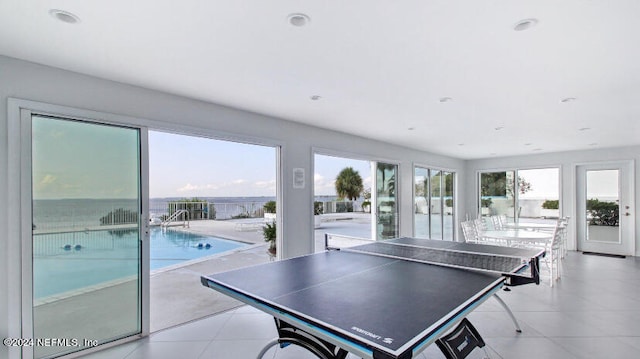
<point x="604" y="217"/>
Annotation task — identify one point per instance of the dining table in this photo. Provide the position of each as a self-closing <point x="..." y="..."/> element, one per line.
<point x="518" y="237"/>
<point x="531" y="226"/>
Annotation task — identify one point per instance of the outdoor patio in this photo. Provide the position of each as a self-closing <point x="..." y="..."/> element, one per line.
<point x="176" y="293"/>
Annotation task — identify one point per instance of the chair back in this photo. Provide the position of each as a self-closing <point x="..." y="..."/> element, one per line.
<point x="495" y="221"/>
<point x="558" y="234"/>
<point x="480" y="224"/>
<point x="469" y="231"/>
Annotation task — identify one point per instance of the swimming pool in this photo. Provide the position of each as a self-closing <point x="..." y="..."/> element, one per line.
<point x="72" y="261"/>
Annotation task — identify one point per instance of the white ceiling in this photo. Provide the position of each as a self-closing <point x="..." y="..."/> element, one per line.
<point x="380" y="66"/>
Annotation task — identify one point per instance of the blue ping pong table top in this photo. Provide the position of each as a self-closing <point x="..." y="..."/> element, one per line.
<point x="382" y="304"/>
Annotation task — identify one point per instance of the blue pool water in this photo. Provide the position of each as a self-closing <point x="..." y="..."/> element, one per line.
<point x="70" y="261"/>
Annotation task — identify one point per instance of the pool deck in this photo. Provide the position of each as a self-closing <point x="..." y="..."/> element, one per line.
<point x="177" y="295"/>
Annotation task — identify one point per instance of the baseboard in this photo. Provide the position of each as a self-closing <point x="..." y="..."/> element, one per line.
<point x="604" y="255"/>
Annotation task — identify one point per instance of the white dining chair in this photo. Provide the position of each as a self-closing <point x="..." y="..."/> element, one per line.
<point x="470" y="231"/>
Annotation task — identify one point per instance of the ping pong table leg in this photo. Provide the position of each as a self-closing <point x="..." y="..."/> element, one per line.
<point x="291" y="335"/>
<point x="506" y="307"/>
<point x="269" y="345"/>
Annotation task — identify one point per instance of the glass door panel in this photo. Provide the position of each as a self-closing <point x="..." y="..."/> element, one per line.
<point x="538" y="195"/>
<point x="435" y="193"/>
<point x="86" y="203"/>
<point x="433" y="204"/>
<point x="448" y="220"/>
<point x="386" y="201"/>
<point x="604" y="216"/>
<point x="497" y="193"/>
<point x="421" y="203"/>
<point x="602" y="206"/>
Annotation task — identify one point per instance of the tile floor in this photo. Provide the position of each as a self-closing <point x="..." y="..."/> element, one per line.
<point x="592" y="312"/>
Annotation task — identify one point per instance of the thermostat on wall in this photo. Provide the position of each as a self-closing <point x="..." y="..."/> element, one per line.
<point x="298" y="178"/>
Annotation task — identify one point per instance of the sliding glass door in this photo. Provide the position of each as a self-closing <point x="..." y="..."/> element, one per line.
<point x="529" y="194"/>
<point x="87" y="232"/>
<point x="434" y="204"/>
<point x="386" y="202"/>
<point x="497" y="194"/>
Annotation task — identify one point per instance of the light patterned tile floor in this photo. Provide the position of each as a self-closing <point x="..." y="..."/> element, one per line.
<point x="592" y="312"/>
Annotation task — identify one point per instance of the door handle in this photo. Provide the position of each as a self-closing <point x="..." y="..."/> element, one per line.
<point x="627" y="214"/>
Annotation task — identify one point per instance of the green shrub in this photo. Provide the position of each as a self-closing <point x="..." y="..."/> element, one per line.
<point x="486" y="202"/>
<point x="120" y="216"/>
<point x="318" y="208"/>
<point x="343" y="207"/>
<point x="269" y="207"/>
<point x="603" y="213"/>
<point x="269" y="234"/>
<point x="551" y="204"/>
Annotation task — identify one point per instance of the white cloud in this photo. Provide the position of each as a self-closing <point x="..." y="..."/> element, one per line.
<point x="323" y="186"/>
<point x="188" y="188"/>
<point x="48" y="179"/>
<point x="237" y="187"/>
<point x="265" y="184"/>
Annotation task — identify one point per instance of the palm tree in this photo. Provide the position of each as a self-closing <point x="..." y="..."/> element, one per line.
<point x="349" y="184"/>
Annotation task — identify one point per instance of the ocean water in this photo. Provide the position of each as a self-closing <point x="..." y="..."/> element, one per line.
<point x="82" y="213"/>
<point x="74" y="213"/>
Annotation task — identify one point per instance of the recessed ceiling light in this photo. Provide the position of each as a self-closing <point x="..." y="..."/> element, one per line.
<point x="445" y="99"/>
<point x="537" y="149"/>
<point x="493" y="154"/>
<point x="568" y="99"/>
<point x="315" y="97"/>
<point x="584" y="129"/>
<point x="460" y="144"/>
<point x="525" y="24"/>
<point x="593" y="144"/>
<point x="298" y="19"/>
<point x="411" y="128"/>
<point x="499" y="128"/>
<point x="64" y="16"/>
<point x="528" y="144"/>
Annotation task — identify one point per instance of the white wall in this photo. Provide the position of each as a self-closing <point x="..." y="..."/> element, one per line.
<point x="567" y="161"/>
<point x="28" y="81"/>
<point x="19" y="79"/>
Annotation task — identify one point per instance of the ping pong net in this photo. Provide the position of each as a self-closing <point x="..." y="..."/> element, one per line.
<point x="509" y="262"/>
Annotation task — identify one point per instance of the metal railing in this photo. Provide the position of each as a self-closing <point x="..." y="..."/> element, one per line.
<point x="174" y="219"/>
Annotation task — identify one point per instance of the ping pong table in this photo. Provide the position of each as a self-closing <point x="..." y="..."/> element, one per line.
<point x="381" y="300"/>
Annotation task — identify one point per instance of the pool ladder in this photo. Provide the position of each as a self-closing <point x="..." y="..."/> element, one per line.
<point x="174" y="219"/>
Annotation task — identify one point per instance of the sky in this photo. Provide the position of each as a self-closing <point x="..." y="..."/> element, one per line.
<point x="327" y="169"/>
<point x="545" y="183"/>
<point x="188" y="166"/>
<point x="73" y="159"/>
<point x="79" y="160"/>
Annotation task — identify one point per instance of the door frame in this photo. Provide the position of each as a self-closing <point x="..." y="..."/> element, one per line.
<point x="454" y="197"/>
<point x="375" y="215"/>
<point x="627" y="222"/>
<point x="20" y="271"/>
<point x="373" y="160"/>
